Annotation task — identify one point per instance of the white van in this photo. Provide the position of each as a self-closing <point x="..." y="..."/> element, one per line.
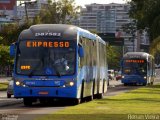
<point x="111" y="75"/>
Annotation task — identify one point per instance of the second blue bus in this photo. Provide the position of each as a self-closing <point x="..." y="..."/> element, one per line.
<point x="137" y="68"/>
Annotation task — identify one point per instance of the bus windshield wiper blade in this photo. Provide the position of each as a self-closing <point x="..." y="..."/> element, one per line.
<point x="56" y="70"/>
<point x="33" y="70"/>
<point x="54" y="65"/>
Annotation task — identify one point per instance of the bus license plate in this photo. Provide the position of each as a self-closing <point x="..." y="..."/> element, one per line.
<point x="43" y="93"/>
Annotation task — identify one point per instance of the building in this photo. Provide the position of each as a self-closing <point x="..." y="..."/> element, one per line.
<point x="108" y="18"/>
<point x="28" y="10"/>
<point x="7" y="11"/>
<point x="104" y="18"/>
<point x="7" y="4"/>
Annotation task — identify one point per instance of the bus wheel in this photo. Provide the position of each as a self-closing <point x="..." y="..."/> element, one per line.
<point x="76" y="101"/>
<point x="100" y="96"/>
<point x="8" y="95"/>
<point x="27" y="101"/>
<point x="89" y="98"/>
<point x="144" y="84"/>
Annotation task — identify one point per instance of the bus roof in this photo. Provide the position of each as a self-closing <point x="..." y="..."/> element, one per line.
<point x="66" y="31"/>
<point x="142" y="55"/>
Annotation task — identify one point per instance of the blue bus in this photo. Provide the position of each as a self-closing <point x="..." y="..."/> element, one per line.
<point x="138" y="68"/>
<point x="58" y="61"/>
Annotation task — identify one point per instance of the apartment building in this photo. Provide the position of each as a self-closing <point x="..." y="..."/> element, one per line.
<point x="7" y="11"/>
<point x="109" y="18"/>
<point x="28" y="10"/>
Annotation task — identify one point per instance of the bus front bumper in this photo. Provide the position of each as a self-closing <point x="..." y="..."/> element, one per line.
<point x="40" y="92"/>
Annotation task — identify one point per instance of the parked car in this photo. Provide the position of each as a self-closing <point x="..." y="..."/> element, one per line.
<point x="10" y="89"/>
<point x="119" y="76"/>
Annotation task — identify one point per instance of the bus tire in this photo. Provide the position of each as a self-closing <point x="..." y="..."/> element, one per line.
<point x="27" y="101"/>
<point x="100" y="96"/>
<point x="144" y="84"/>
<point x="8" y="95"/>
<point x="76" y="101"/>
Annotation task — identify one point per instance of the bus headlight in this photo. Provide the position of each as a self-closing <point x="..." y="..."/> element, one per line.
<point x="17" y="83"/>
<point x="122" y="76"/>
<point x="71" y="83"/>
<point x="145" y="77"/>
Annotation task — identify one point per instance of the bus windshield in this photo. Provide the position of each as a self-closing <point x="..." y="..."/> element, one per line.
<point x="135" y="66"/>
<point x="46" y="57"/>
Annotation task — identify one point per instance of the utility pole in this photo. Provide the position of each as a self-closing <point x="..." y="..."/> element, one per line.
<point x="26" y="12"/>
<point x="26" y="7"/>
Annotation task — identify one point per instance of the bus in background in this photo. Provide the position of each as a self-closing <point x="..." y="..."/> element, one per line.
<point x="59" y="61"/>
<point x="137" y="68"/>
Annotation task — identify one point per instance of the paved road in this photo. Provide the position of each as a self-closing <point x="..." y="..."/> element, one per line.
<point x="4" y="101"/>
<point x="5" y="79"/>
<point x="37" y="110"/>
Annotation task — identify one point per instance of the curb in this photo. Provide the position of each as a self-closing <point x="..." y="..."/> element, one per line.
<point x="10" y="103"/>
<point x="5" y="89"/>
<point x="113" y="84"/>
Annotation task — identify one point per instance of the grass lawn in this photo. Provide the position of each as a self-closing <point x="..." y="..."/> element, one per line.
<point x="138" y="104"/>
<point x="3" y="86"/>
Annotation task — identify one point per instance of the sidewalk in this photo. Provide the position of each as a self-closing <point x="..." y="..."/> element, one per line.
<point x="5" y="79"/>
<point x="114" y="83"/>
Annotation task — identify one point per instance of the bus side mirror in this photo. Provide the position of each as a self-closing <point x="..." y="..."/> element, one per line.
<point x="81" y="51"/>
<point x="12" y="50"/>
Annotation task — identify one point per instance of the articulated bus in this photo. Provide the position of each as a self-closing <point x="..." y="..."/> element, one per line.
<point x="137" y="68"/>
<point x="58" y="61"/>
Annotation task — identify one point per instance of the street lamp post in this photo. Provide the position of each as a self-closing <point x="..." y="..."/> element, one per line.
<point x="25" y="7"/>
<point x="26" y="12"/>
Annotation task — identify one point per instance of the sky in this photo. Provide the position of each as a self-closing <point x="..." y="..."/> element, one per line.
<point x="84" y="2"/>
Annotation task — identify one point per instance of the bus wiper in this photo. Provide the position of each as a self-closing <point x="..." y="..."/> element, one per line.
<point x="54" y="66"/>
<point x="56" y="70"/>
<point x="33" y="70"/>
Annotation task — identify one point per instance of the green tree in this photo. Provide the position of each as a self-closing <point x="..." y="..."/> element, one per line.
<point x="62" y="11"/>
<point x="10" y="32"/>
<point x="114" y="56"/>
<point x="142" y="11"/>
<point x="5" y="58"/>
<point x="37" y="20"/>
<point x="147" y="14"/>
